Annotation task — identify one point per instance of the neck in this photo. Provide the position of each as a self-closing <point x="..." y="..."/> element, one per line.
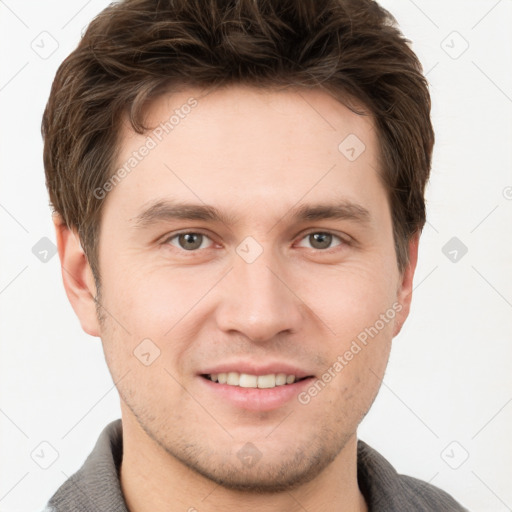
<point x="154" y="481"/>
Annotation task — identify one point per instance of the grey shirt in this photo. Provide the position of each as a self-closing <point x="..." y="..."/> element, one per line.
<point x="95" y="487"/>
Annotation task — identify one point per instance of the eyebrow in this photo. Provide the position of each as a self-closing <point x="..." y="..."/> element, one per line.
<point x="167" y="210"/>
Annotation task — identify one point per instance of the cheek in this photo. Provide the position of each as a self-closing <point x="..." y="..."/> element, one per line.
<point x="350" y="299"/>
<point x="148" y="298"/>
<point x="360" y="311"/>
<point x="154" y="314"/>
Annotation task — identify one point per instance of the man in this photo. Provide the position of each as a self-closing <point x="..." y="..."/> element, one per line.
<point x="238" y="193"/>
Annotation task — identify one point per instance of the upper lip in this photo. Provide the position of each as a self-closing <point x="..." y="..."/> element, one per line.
<point x="253" y="368"/>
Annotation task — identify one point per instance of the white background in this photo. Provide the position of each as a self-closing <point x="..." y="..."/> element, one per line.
<point x="447" y="393"/>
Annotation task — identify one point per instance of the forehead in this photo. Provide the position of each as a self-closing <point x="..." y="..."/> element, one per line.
<point x="255" y="148"/>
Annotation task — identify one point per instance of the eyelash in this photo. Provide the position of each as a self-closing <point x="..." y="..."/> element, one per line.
<point x="329" y="250"/>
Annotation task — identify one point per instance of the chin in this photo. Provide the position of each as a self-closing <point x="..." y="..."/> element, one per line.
<point x="268" y="471"/>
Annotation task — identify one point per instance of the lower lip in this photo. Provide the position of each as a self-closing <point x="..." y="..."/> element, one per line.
<point x="256" y="399"/>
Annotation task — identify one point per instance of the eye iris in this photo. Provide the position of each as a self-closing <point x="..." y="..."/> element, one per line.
<point x="189" y="238"/>
<point x="324" y="239"/>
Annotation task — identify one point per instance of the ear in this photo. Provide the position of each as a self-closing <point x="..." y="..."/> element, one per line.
<point x="404" y="294"/>
<point x="77" y="276"/>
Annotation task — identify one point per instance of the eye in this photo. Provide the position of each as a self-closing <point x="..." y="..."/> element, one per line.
<point x="188" y="241"/>
<point x="191" y="241"/>
<point x="322" y="239"/>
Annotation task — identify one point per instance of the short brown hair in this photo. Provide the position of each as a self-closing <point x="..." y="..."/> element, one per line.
<point x="135" y="50"/>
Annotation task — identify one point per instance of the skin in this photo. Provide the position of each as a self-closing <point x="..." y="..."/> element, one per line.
<point x="255" y="155"/>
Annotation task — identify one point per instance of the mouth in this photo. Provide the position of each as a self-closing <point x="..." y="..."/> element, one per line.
<point x="247" y="380"/>
<point x="257" y="393"/>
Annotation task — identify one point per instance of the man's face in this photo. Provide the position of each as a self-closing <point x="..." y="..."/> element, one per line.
<point x="262" y="291"/>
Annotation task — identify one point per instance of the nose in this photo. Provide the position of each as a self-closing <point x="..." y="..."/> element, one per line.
<point x="258" y="299"/>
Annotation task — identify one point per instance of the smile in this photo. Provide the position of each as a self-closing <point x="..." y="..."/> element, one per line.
<point x="246" y="380"/>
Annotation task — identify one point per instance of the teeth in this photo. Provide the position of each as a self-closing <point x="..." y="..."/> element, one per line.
<point x="267" y="381"/>
<point x="245" y="380"/>
<point x="280" y="379"/>
<point x="248" y="381"/>
<point x="233" y="379"/>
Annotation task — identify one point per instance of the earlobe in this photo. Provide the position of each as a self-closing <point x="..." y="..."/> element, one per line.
<point x="404" y="295"/>
<point x="77" y="276"/>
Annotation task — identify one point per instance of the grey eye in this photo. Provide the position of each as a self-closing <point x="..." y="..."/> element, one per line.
<point x="321" y="239"/>
<point x="189" y="241"/>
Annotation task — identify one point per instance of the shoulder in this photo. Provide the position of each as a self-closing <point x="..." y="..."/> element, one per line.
<point x="426" y="496"/>
<point x="95" y="486"/>
<point x="386" y="490"/>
